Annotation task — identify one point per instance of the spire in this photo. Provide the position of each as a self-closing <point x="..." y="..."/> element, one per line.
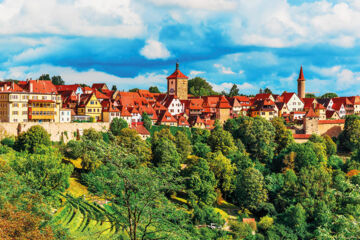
<point x="177" y="65"/>
<point x="301" y="74"/>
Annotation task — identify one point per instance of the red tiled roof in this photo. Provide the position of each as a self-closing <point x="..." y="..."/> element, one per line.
<point x="177" y="74"/>
<point x="320" y="106"/>
<point x="100" y="95"/>
<point x="42" y="86"/>
<point x="98" y="85"/>
<point x="287" y="96"/>
<point x="311" y="114"/>
<point x="301" y="136"/>
<point x="330" y="121"/>
<point x="62" y="88"/>
<point x="140" y="129"/>
<point x="262" y="96"/>
<point x="10" y="87"/>
<point x="124" y="112"/>
<point x="223" y="103"/>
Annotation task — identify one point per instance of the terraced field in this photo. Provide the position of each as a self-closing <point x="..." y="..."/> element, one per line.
<point x="86" y="221"/>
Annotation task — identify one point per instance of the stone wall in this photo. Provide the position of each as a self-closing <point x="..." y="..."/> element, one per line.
<point x="57" y="131"/>
<point x="333" y="129"/>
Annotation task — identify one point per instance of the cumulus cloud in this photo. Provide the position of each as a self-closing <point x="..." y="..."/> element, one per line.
<point x="79" y="17"/>
<point x="244" y="87"/>
<point x="224" y="70"/>
<point x="194" y="73"/>
<point x="154" y="50"/>
<point x="211" y="5"/>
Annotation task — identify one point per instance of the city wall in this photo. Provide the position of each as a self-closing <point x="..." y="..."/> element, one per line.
<point x="57" y="131"/>
<point x="331" y="129"/>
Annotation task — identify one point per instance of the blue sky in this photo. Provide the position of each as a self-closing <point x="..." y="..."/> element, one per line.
<point x="135" y="43"/>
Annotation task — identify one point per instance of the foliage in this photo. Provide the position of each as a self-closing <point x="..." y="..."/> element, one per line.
<point x="32" y="138"/>
<point x="154" y="89"/>
<point x="113" y="88"/>
<point x="266" y="222"/>
<point x="44" y="77"/>
<point x="57" y="80"/>
<point x="250" y="189"/>
<point x="200" y="87"/>
<point x="310" y="95"/>
<point x="234" y="91"/>
<point x="183" y="145"/>
<point x="8" y="141"/>
<point x="43" y="170"/>
<point x="92" y="135"/>
<point x="134" y="90"/>
<point x="283" y="136"/>
<point x="221" y="140"/>
<point x="223" y="169"/>
<point x="349" y="138"/>
<point x="147" y="121"/>
<point x="329" y="95"/>
<point x="116" y="125"/>
<point x="165" y="153"/>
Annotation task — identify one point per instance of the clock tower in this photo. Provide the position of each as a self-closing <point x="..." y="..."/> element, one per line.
<point x="178" y="84"/>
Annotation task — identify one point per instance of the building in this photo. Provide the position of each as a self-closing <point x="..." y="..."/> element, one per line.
<point x="65" y="115"/>
<point x="177" y="84"/>
<point x="90" y="106"/>
<point x="301" y="84"/>
<point x="293" y="102"/>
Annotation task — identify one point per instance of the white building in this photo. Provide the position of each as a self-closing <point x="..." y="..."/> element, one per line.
<point x="65" y="115"/>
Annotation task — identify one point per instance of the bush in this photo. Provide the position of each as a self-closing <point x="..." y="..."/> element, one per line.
<point x="29" y="140"/>
<point x="8" y="141"/>
<point x="116" y="125"/>
<point x="266" y="222"/>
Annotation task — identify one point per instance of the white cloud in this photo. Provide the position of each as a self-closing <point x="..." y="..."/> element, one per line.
<point x="245" y="87"/>
<point x="241" y="72"/>
<point x="71" y="76"/>
<point x="79" y="17"/>
<point x="224" y="70"/>
<point x="211" y="5"/>
<point x="194" y="73"/>
<point x="154" y="50"/>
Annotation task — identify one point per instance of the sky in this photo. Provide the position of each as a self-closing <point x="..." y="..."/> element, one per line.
<point x="136" y="43"/>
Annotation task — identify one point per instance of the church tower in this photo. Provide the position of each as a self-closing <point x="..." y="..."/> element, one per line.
<point x="301" y="84"/>
<point x="178" y="84"/>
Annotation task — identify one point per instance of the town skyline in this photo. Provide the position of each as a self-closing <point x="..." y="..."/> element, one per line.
<point x="136" y="43"/>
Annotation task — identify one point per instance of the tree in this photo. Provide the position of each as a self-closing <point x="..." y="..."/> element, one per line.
<point x="147" y="121"/>
<point x="234" y="91"/>
<point x="295" y="218"/>
<point x="44" y="77"/>
<point x="92" y="135"/>
<point x="329" y="95"/>
<point x="200" y="182"/>
<point x="267" y="90"/>
<point x="331" y="147"/>
<point x="257" y="134"/>
<point x="116" y="125"/>
<point x="349" y="138"/>
<point x="223" y="170"/>
<point x="283" y="136"/>
<point x="32" y="138"/>
<point x="221" y="140"/>
<point x="20" y="224"/>
<point x="154" y="89"/>
<point x="310" y="95"/>
<point x="250" y="189"/>
<point x="57" y="80"/>
<point x="133" y="90"/>
<point x="165" y="154"/>
<point x="114" y="88"/>
<point x="43" y="171"/>
<point x="183" y="145"/>
<point x="199" y="87"/>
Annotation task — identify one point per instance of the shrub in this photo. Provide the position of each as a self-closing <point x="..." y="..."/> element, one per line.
<point x="29" y="140"/>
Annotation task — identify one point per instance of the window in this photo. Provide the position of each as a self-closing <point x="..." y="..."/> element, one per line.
<point x="15" y="112"/>
<point x="15" y="105"/>
<point x="44" y="97"/>
<point x="89" y="110"/>
<point x="92" y="103"/>
<point x="24" y="113"/>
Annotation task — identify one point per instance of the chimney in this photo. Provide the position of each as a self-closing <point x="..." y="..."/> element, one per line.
<point x="12" y="85"/>
<point x="30" y="87"/>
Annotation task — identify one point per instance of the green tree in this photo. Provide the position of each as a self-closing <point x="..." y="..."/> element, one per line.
<point x="331" y="147"/>
<point x="183" y="145"/>
<point x="114" y="88"/>
<point x="154" y="89"/>
<point x="57" y="80"/>
<point x="250" y="189"/>
<point x="43" y="171"/>
<point x="267" y="90"/>
<point x="133" y="90"/>
<point x="32" y="138"/>
<point x="92" y="135"/>
<point x="147" y="121"/>
<point x="283" y="136"/>
<point x="199" y="87"/>
<point x="221" y="140"/>
<point x="223" y="169"/>
<point x="310" y="95"/>
<point x="201" y="149"/>
<point x="295" y="218"/>
<point x="234" y="91"/>
<point x="349" y="138"/>
<point x="200" y="182"/>
<point x="165" y="154"/>
<point x="44" y="77"/>
<point x="257" y="134"/>
<point x="329" y="95"/>
<point x="116" y="125"/>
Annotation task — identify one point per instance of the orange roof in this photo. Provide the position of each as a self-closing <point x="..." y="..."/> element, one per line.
<point x="42" y="86"/>
<point x="261" y="96"/>
<point x="335" y="121"/>
<point x="301" y="136"/>
<point x="10" y="87"/>
<point x="166" y="117"/>
<point x="311" y="114"/>
<point x="319" y="106"/>
<point x="99" y="86"/>
<point x="177" y="73"/>
<point x="124" y="112"/>
<point x="63" y="88"/>
<point x="223" y="103"/>
<point x="100" y="95"/>
<point x="140" y="129"/>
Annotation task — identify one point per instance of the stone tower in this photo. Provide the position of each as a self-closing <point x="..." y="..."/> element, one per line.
<point x="311" y="122"/>
<point x="178" y="84"/>
<point x="301" y="84"/>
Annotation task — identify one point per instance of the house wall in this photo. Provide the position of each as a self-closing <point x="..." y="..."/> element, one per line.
<point x="182" y="89"/>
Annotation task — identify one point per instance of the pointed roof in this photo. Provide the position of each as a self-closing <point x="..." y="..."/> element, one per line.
<point x="223" y="103"/>
<point x="311" y="114"/>
<point x="301" y="74"/>
<point x="177" y="73"/>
